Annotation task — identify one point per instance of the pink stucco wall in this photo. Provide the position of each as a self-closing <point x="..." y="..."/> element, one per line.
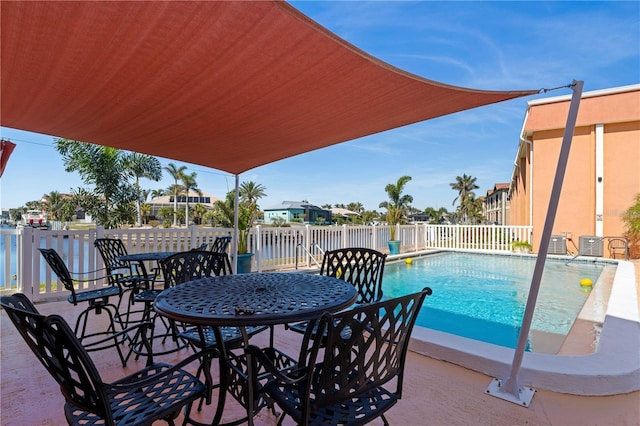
<point x="619" y="113"/>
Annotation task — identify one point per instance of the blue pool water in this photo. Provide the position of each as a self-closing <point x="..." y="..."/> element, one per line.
<point x="483" y="297"/>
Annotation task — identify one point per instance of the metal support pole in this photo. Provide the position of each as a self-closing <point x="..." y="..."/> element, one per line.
<point x="234" y="247"/>
<point x="510" y="390"/>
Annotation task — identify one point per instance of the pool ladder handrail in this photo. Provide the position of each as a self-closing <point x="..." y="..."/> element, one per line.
<point x="599" y="240"/>
<point x="314" y="244"/>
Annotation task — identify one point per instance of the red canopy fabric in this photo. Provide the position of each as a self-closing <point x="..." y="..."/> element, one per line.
<point x="228" y="85"/>
<point x="6" y="148"/>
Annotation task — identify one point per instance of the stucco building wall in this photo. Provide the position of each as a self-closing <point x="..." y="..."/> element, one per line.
<point x="603" y="169"/>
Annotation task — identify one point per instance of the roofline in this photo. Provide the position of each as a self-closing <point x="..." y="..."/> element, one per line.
<point x="562" y="98"/>
<point x="593" y="93"/>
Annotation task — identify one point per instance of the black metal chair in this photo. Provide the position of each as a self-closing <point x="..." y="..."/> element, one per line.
<point x="188" y="266"/>
<point x="97" y="299"/>
<point x="221" y="244"/>
<point x="157" y="392"/>
<point x="618" y="247"/>
<point x="361" y="267"/>
<point x="130" y="276"/>
<point x="201" y="247"/>
<point x="352" y="380"/>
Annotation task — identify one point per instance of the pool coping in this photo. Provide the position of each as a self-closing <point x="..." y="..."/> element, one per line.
<point x="613" y="368"/>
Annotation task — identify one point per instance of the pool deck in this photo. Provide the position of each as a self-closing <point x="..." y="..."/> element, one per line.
<point x="435" y="391"/>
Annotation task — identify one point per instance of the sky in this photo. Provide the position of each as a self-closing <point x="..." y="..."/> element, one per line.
<point x="481" y="45"/>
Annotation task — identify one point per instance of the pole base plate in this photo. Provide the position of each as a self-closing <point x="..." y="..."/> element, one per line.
<point x="524" y="397"/>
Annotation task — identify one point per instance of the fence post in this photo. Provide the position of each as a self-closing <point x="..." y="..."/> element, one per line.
<point x="98" y="234"/>
<point x="194" y="237"/>
<point x="345" y="239"/>
<point x="374" y="239"/>
<point x="307" y="244"/>
<point x="25" y="269"/>
<point x="258" y="247"/>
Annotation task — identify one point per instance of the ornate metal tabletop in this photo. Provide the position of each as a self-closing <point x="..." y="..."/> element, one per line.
<point x="140" y="257"/>
<point x="254" y="299"/>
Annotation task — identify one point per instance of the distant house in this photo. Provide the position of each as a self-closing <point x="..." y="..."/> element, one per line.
<point x="339" y="212"/>
<point x="418" y="218"/>
<point x="206" y="200"/>
<point x="496" y="204"/>
<point x="295" y="211"/>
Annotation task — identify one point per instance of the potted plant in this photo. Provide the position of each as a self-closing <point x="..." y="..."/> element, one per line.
<point x="246" y="215"/>
<point x="521" y="246"/>
<point x="248" y="209"/>
<point x="396" y="207"/>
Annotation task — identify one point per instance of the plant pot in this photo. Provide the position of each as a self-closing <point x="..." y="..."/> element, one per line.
<point x="244" y="263"/>
<point x="394" y="246"/>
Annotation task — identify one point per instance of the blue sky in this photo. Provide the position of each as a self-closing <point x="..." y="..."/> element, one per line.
<point x="481" y="45"/>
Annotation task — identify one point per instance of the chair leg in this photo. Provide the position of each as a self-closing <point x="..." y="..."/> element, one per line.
<point x="81" y="327"/>
<point x="150" y="316"/>
<point x="131" y="291"/>
<point x="384" y="419"/>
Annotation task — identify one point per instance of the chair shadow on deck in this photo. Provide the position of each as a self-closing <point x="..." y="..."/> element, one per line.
<point x="346" y="379"/>
<point x="157" y="392"/>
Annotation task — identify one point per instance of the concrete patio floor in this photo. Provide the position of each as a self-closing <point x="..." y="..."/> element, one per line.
<point x="435" y="392"/>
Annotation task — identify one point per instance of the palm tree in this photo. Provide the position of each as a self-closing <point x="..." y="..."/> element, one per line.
<point x="145" y="210"/>
<point x="189" y="183"/>
<point x="198" y="212"/>
<point x="157" y="193"/>
<point x="52" y="204"/>
<point x="631" y="219"/>
<point x="472" y="209"/>
<point x="108" y="192"/>
<point x="251" y="192"/>
<point x="164" y="213"/>
<point x="176" y="173"/>
<point x="464" y="185"/>
<point x="355" y="207"/>
<point x="142" y="166"/>
<point x="397" y="204"/>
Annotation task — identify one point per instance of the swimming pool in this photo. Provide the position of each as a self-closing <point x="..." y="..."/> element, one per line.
<point x="483" y="297"/>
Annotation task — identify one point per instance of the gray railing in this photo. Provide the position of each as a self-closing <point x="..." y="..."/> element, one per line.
<point x="23" y="269"/>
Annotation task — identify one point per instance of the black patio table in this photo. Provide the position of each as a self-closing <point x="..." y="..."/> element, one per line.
<point x="148" y="295"/>
<point x="252" y="300"/>
<point x="141" y="258"/>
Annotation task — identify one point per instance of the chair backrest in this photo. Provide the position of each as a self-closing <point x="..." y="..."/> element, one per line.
<point x="111" y="249"/>
<point x="221" y="244"/>
<point x="59" y="268"/>
<point x="370" y="355"/>
<point x="361" y="267"/>
<point x="190" y="265"/>
<point x="618" y="246"/>
<point x="55" y="345"/>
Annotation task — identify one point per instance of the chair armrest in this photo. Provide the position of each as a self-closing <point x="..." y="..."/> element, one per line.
<point x="291" y="374"/>
<point x="140" y="378"/>
<point x="76" y="275"/>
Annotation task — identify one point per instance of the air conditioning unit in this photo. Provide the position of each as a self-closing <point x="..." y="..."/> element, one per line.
<point x="591" y="245"/>
<point x="558" y="245"/>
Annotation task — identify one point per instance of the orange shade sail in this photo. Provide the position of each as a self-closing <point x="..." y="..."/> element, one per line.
<point x="6" y="148"/>
<point x="223" y="84"/>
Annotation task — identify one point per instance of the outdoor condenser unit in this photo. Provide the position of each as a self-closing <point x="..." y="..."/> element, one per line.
<point x="558" y="245"/>
<point x="591" y="245"/>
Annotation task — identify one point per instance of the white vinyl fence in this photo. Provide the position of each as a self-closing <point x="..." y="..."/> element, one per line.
<point x="23" y="269"/>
